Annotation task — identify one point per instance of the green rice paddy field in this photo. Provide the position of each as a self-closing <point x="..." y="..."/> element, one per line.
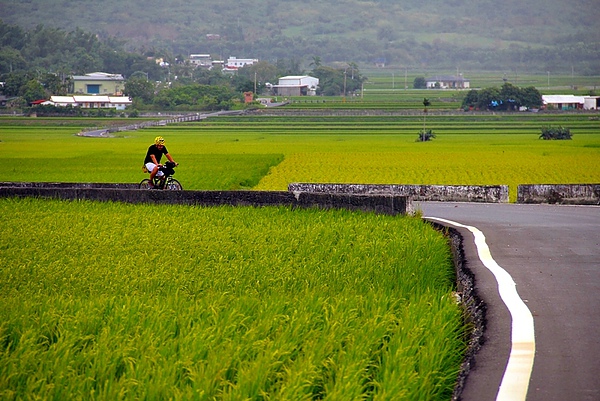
<point x="268" y="153"/>
<point x="110" y="301"/>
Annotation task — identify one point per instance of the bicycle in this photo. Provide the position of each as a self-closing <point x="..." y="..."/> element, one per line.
<point x="165" y="181"/>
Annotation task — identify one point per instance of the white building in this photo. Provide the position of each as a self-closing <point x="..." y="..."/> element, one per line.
<point x="91" y="102"/>
<point x="562" y="102"/>
<point x="571" y="102"/>
<point x="591" y="102"/>
<point x="296" y="85"/>
<point x="447" y="82"/>
<point x="201" y="60"/>
<point x="234" y="63"/>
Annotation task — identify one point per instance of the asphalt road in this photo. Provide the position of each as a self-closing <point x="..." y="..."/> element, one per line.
<point x="552" y="253"/>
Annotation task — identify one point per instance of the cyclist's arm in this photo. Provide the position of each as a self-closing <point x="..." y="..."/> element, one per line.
<point x="154" y="159"/>
<point x="170" y="158"/>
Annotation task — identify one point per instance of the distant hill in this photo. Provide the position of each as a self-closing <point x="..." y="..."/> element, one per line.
<point x="537" y="35"/>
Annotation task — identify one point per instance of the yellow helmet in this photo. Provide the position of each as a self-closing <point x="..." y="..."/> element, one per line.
<point x="159" y="140"/>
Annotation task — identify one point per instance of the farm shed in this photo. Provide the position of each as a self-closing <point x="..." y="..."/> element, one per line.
<point x="296" y="85"/>
<point x="98" y="83"/>
<point x="91" y="102"/>
<point x="591" y="102"/>
<point x="448" y="82"/>
<point x="563" y="102"/>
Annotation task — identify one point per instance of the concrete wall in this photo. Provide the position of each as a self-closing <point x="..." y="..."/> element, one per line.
<point x="384" y="203"/>
<point x="380" y="198"/>
<point x="448" y="193"/>
<point x="575" y="194"/>
<point x="68" y="185"/>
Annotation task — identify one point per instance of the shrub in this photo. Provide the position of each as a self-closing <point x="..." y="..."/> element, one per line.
<point x="425" y="135"/>
<point x="555" y="133"/>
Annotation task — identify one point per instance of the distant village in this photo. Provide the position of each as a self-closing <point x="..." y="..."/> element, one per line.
<point x="105" y="90"/>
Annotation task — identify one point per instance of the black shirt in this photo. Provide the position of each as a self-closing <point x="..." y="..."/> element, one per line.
<point x="154" y="150"/>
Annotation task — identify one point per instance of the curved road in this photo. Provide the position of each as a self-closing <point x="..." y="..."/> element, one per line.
<point x="552" y="253"/>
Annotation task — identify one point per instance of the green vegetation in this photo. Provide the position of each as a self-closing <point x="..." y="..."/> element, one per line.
<point x="508" y="98"/>
<point x="38" y="63"/>
<point x="105" y="301"/>
<point x="97" y="303"/>
<point x="556" y="133"/>
<point x="425" y="135"/>
<point x="508" y="36"/>
<point x="269" y="152"/>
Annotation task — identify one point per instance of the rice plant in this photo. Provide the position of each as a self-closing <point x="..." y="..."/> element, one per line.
<point x="113" y="301"/>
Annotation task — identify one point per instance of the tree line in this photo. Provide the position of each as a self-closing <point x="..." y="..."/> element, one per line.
<point x="39" y="63"/>
<point x="507" y="98"/>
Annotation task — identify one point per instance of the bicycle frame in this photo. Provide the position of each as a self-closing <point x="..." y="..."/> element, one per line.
<point x="163" y="182"/>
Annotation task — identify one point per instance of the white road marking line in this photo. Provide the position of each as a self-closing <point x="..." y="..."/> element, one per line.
<point x="520" y="362"/>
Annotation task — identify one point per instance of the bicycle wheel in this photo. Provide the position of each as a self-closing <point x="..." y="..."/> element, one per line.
<point x="173" y="185"/>
<point x="145" y="184"/>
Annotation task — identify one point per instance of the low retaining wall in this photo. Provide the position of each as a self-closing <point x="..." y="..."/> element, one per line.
<point x="395" y="198"/>
<point x="68" y="185"/>
<point x="447" y="193"/>
<point x="383" y="204"/>
<point x="569" y="194"/>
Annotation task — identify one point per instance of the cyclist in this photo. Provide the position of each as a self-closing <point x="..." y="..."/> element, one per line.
<point x="153" y="156"/>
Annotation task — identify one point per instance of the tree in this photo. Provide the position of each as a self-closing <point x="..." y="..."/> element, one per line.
<point x="259" y="73"/>
<point x="184" y="71"/>
<point x="13" y="83"/>
<point x="419" y="83"/>
<point x="316" y="62"/>
<point x="295" y="66"/>
<point x="471" y="99"/>
<point x="426" y="104"/>
<point x="33" y="90"/>
<point x="201" y="97"/>
<point x="140" y="88"/>
<point x="288" y="67"/>
<point x="242" y="84"/>
<point x="488" y="98"/>
<point x="531" y="97"/>
<point x="54" y="84"/>
<point x="12" y="36"/>
<point x="84" y="63"/>
<point x="11" y="60"/>
<point x="214" y="76"/>
<point x="510" y="97"/>
<point x="333" y="82"/>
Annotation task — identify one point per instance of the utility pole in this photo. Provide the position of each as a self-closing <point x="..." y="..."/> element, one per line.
<point x="345" y="71"/>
